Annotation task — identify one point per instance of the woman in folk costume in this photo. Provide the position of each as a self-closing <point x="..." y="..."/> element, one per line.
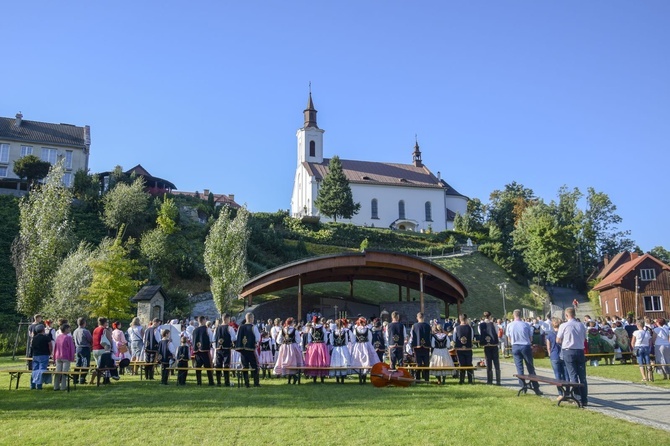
<point x="595" y="344"/>
<point x="274" y="332"/>
<point x="441" y="344"/>
<point x="265" y="359"/>
<point x="622" y="340"/>
<point x="289" y="354"/>
<point x="340" y="356"/>
<point x="609" y="342"/>
<point x="317" y="350"/>
<point x="363" y="354"/>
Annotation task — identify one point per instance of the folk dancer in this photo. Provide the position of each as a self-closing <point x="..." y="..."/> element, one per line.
<point x="463" y="337"/>
<point x="150" y="348"/>
<point x="317" y="354"/>
<point x="489" y="339"/>
<point x="396" y="334"/>
<point x="340" y="356"/>
<point x="265" y="356"/>
<point x="378" y="341"/>
<point x="289" y="356"/>
<point x="201" y="346"/>
<point x="247" y="338"/>
<point x="420" y="341"/>
<point x="440" y="358"/>
<point x="224" y="337"/>
<point x="363" y="355"/>
<point x="183" y="356"/>
<point x="166" y="353"/>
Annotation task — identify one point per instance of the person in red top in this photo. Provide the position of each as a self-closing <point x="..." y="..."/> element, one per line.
<point x="575" y="303"/>
<point x="100" y="341"/>
<point x="63" y="356"/>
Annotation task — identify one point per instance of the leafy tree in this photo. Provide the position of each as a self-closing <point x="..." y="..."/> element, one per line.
<point x="44" y="238"/>
<point x="546" y="245"/>
<point x="335" y="198"/>
<point x="167" y="216"/>
<point x="114" y="281"/>
<point x="73" y="277"/>
<point x="226" y="256"/>
<point x="125" y="205"/>
<point x="661" y="254"/>
<point x="32" y="168"/>
<point x="86" y="187"/>
<point x="154" y="244"/>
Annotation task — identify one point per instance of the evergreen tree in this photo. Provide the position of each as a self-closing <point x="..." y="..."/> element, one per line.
<point x="335" y="198"/>
<point x="32" y="168"/>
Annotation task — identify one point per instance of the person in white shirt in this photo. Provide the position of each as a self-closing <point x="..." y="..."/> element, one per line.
<point x="661" y="342"/>
<point x="572" y="336"/>
<point x="641" y="344"/>
<point x="520" y="335"/>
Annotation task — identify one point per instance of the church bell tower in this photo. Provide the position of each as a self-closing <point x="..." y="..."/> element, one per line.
<point x="310" y="136"/>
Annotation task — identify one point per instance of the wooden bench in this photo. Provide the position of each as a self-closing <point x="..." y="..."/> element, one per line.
<point x="238" y="372"/>
<point x="72" y="376"/>
<point x="567" y="387"/>
<point x="445" y="368"/>
<point x="360" y="371"/>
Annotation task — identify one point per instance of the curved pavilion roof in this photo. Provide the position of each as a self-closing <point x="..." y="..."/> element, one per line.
<point x="383" y="266"/>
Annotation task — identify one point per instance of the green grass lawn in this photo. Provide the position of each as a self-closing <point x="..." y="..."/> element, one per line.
<point x="131" y="411"/>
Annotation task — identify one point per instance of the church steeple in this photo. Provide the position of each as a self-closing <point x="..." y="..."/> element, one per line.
<point x="310" y="111"/>
<point x="416" y="156"/>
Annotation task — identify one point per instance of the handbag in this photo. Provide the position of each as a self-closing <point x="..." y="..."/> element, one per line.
<point x="105" y="342"/>
<point x="123" y="348"/>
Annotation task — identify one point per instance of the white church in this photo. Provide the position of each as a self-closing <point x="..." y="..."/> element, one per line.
<point x="398" y="196"/>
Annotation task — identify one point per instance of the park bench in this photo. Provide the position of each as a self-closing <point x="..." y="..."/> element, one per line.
<point x="72" y="375"/>
<point x="360" y="371"/>
<point x="238" y="372"/>
<point x="567" y="387"/>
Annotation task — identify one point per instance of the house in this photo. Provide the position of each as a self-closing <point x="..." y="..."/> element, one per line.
<point x="219" y="199"/>
<point x="400" y="196"/>
<point x="153" y="185"/>
<point x="623" y="274"/>
<point x="50" y="142"/>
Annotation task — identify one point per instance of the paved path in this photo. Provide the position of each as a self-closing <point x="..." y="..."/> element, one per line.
<point x="637" y="403"/>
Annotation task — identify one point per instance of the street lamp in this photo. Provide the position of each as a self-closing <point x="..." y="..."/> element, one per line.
<point x="503" y="288"/>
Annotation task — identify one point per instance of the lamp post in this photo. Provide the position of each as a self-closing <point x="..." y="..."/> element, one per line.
<point x="503" y="288"/>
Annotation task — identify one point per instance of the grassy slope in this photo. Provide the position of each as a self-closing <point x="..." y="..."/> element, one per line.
<point x="281" y="414"/>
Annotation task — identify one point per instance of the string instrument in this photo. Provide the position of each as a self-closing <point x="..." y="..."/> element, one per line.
<point x="382" y="375"/>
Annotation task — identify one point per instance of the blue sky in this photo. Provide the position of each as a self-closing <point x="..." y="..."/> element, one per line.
<point x="209" y="94"/>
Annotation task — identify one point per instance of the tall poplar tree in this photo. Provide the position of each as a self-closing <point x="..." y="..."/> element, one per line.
<point x="335" y="198"/>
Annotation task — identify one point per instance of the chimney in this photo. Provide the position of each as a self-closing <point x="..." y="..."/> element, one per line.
<point x="633" y="255"/>
<point x="19" y="117"/>
<point x="232" y="197"/>
<point x="606" y="259"/>
<point x="439" y="176"/>
<point x="205" y="192"/>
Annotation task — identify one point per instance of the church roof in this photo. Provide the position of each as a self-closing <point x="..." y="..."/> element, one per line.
<point x="370" y="172"/>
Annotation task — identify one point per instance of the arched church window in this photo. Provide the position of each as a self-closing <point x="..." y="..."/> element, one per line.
<point x="401" y="209"/>
<point x="312" y="148"/>
<point x="429" y="211"/>
<point x="374" y="207"/>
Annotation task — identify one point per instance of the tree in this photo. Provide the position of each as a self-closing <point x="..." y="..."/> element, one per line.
<point x="226" y="256"/>
<point x="114" y="281"/>
<point x="154" y="244"/>
<point x="167" y="216"/>
<point x="45" y="236"/>
<point x="86" y="187"/>
<point x="335" y="198"/>
<point x="73" y="277"/>
<point x="125" y="205"/>
<point x="32" y="168"/>
<point x="661" y="254"/>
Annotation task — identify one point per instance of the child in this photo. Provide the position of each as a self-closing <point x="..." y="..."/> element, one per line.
<point x="183" y="355"/>
<point x="165" y="354"/>
<point x="265" y="359"/>
<point x="440" y="357"/>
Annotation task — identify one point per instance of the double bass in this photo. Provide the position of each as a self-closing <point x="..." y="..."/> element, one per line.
<point x="382" y="375"/>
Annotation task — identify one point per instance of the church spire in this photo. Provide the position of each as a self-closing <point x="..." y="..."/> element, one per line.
<point x="416" y="156"/>
<point x="310" y="112"/>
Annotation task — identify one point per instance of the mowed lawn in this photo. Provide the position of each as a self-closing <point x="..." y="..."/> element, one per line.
<point x="131" y="411"/>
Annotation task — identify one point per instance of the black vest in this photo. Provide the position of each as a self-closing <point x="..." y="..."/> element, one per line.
<point x="488" y="334"/>
<point x="378" y="340"/>
<point x="441" y="343"/>
<point x="150" y="342"/>
<point x="265" y="345"/>
<point x="317" y="335"/>
<point x="201" y="341"/>
<point x="463" y="338"/>
<point x="421" y="335"/>
<point x="361" y="337"/>
<point x="184" y="353"/>
<point x="246" y="339"/>
<point x="222" y="338"/>
<point x="396" y="332"/>
<point x="289" y="336"/>
<point x="340" y="338"/>
<point x="164" y="352"/>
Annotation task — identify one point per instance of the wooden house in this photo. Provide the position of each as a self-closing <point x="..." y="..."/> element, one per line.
<point x="635" y="284"/>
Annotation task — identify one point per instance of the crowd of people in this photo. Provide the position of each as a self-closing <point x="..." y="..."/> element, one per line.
<point x="320" y="347"/>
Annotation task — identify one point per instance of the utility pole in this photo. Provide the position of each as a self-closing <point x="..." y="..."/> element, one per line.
<point x="637" y="293"/>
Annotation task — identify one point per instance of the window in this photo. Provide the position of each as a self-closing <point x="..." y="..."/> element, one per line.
<point x="67" y="179"/>
<point x="653" y="303"/>
<point x="429" y="211"/>
<point x="26" y="150"/>
<point x="648" y="274"/>
<point x="401" y="209"/>
<point x="49" y="155"/>
<point x="4" y="153"/>
<point x="3" y="171"/>
<point x="374" y="207"/>
<point x="607" y="307"/>
<point x="68" y="159"/>
<point x="616" y="304"/>
<point x="312" y="148"/>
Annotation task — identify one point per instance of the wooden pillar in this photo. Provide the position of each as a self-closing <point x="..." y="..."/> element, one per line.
<point x="299" y="298"/>
<point x="250" y="297"/>
<point x="399" y="293"/>
<point x="407" y="298"/>
<point x="446" y="310"/>
<point x="421" y="290"/>
<point x="351" y="288"/>
<point x="458" y="307"/>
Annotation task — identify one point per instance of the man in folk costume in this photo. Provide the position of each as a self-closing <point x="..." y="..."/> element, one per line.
<point x="247" y="338"/>
<point x="378" y="341"/>
<point x="463" y="335"/>
<point x="420" y="340"/>
<point x="150" y="348"/>
<point x="224" y="337"/>
<point x="166" y="353"/>
<point x="396" y="334"/>
<point x="202" y="353"/>
<point x="489" y="339"/>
